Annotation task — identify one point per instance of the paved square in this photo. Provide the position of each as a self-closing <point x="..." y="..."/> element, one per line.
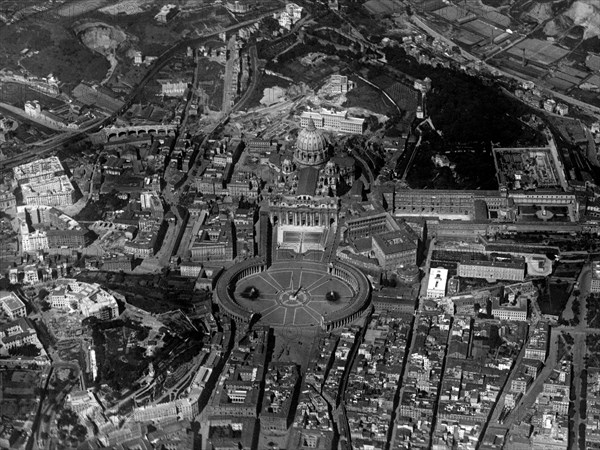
<point x="293" y="294"/>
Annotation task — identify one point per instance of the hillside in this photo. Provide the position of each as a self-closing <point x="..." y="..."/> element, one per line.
<point x="587" y="14"/>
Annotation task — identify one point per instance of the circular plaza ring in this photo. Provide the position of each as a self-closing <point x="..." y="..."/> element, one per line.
<point x="293" y="294"/>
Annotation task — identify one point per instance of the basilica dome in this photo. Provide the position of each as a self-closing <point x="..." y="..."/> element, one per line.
<point x="311" y="146"/>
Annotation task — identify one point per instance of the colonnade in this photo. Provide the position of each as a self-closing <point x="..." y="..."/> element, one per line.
<point x="304" y="218"/>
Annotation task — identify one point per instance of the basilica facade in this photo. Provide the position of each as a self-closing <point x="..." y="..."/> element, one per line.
<point x="310" y="182"/>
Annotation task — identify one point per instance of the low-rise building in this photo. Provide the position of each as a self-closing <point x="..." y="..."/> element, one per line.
<point x="170" y="88"/>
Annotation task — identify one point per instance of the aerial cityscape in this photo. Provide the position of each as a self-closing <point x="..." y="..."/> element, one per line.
<point x="319" y="224"/>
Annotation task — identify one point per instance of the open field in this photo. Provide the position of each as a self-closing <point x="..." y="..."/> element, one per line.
<point x="382" y="7"/>
<point x="542" y="52"/>
<point x="312" y="74"/>
<point x="265" y="81"/>
<point x="78" y="8"/>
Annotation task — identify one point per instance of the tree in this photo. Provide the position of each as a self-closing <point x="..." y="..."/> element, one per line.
<point x="67" y="418"/>
<point x="373" y="123"/>
<point x="270" y="25"/>
<point x="79" y="432"/>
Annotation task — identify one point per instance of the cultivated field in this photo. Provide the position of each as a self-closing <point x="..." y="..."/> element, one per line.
<point x="80" y="7"/>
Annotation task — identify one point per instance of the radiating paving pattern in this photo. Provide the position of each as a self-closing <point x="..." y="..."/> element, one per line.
<point x="294" y="294"/>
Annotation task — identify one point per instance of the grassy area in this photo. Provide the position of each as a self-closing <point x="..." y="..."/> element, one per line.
<point x="554" y="300"/>
<point x="93" y="210"/>
<point x="365" y="96"/>
<point x="312" y="75"/>
<point x="210" y="78"/>
<point x="565" y="270"/>
<point x="70" y="61"/>
<point x="473" y="170"/>
<point x="30" y="36"/>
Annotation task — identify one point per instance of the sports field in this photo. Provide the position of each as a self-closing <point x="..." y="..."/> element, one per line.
<point x="293" y="295"/>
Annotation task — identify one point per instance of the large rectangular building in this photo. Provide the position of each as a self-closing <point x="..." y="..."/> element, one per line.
<point x="39" y="170"/>
<point x="52" y="192"/>
<point x="395" y="249"/>
<point x="369" y="224"/>
<point x="493" y="270"/>
<point x="439" y="203"/>
<point x="333" y="120"/>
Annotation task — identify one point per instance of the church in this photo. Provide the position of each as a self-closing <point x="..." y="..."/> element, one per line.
<point x="309" y="182"/>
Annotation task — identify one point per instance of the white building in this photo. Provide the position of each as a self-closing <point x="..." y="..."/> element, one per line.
<point x="515" y="311"/>
<point x="170" y="88"/>
<point x="166" y="13"/>
<point x="12" y="305"/>
<point x="340" y="84"/>
<point x="436" y="286"/>
<point x="88" y="299"/>
<point x="183" y="408"/>
<point x="17" y="333"/>
<point x="333" y="120"/>
<point x="57" y="192"/>
<point x="40" y="169"/>
<point x="30" y="274"/>
<point x="289" y="16"/>
<point x="43" y="182"/>
<point x="33" y="242"/>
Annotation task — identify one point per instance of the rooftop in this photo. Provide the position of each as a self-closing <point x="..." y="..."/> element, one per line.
<point x="307" y="181"/>
<point x="11" y="300"/>
<point x="437" y="278"/>
<point x="395" y="242"/>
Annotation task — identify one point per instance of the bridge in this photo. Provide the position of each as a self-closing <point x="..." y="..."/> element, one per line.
<point x="136" y="130"/>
